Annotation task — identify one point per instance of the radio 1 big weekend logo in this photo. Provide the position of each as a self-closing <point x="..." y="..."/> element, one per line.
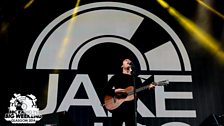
<point x="61" y="45"/>
<point x="23" y="109"/>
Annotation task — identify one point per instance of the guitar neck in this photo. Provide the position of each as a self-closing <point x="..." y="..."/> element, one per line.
<point x="138" y="90"/>
<point x="160" y="83"/>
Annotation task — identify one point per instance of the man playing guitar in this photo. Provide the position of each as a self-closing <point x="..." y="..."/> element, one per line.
<point x="119" y="97"/>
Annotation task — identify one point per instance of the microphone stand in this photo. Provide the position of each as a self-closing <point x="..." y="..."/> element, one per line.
<point x="135" y="98"/>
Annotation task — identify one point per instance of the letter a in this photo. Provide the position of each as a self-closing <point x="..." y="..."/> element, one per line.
<point x="93" y="98"/>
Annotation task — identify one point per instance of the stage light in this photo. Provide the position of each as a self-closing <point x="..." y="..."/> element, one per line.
<point x="203" y="38"/>
<point x="4" y="27"/>
<point x="68" y="32"/>
<point x="163" y="3"/>
<point x="210" y="8"/>
<point x="28" y="4"/>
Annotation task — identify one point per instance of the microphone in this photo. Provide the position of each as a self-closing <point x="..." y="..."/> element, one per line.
<point x="131" y="64"/>
<point x="132" y="67"/>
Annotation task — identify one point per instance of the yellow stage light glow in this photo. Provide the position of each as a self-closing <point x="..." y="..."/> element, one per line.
<point x="68" y="32"/>
<point x="210" y="8"/>
<point x="66" y="39"/>
<point x="203" y="38"/>
<point x="28" y="4"/>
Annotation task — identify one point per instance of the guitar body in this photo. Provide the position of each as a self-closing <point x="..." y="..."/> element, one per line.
<point x="127" y="94"/>
<point x="112" y="102"/>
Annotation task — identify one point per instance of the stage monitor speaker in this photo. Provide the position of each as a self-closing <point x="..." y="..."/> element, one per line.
<point x="214" y="120"/>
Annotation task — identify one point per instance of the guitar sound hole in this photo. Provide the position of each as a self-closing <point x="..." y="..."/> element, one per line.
<point x="120" y="95"/>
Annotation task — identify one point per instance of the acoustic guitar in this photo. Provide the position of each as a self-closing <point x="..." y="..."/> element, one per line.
<point x="127" y="94"/>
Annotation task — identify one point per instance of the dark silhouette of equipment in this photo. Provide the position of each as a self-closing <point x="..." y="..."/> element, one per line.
<point x="214" y="120"/>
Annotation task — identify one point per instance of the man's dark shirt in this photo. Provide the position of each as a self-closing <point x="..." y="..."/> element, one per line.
<point x="122" y="81"/>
